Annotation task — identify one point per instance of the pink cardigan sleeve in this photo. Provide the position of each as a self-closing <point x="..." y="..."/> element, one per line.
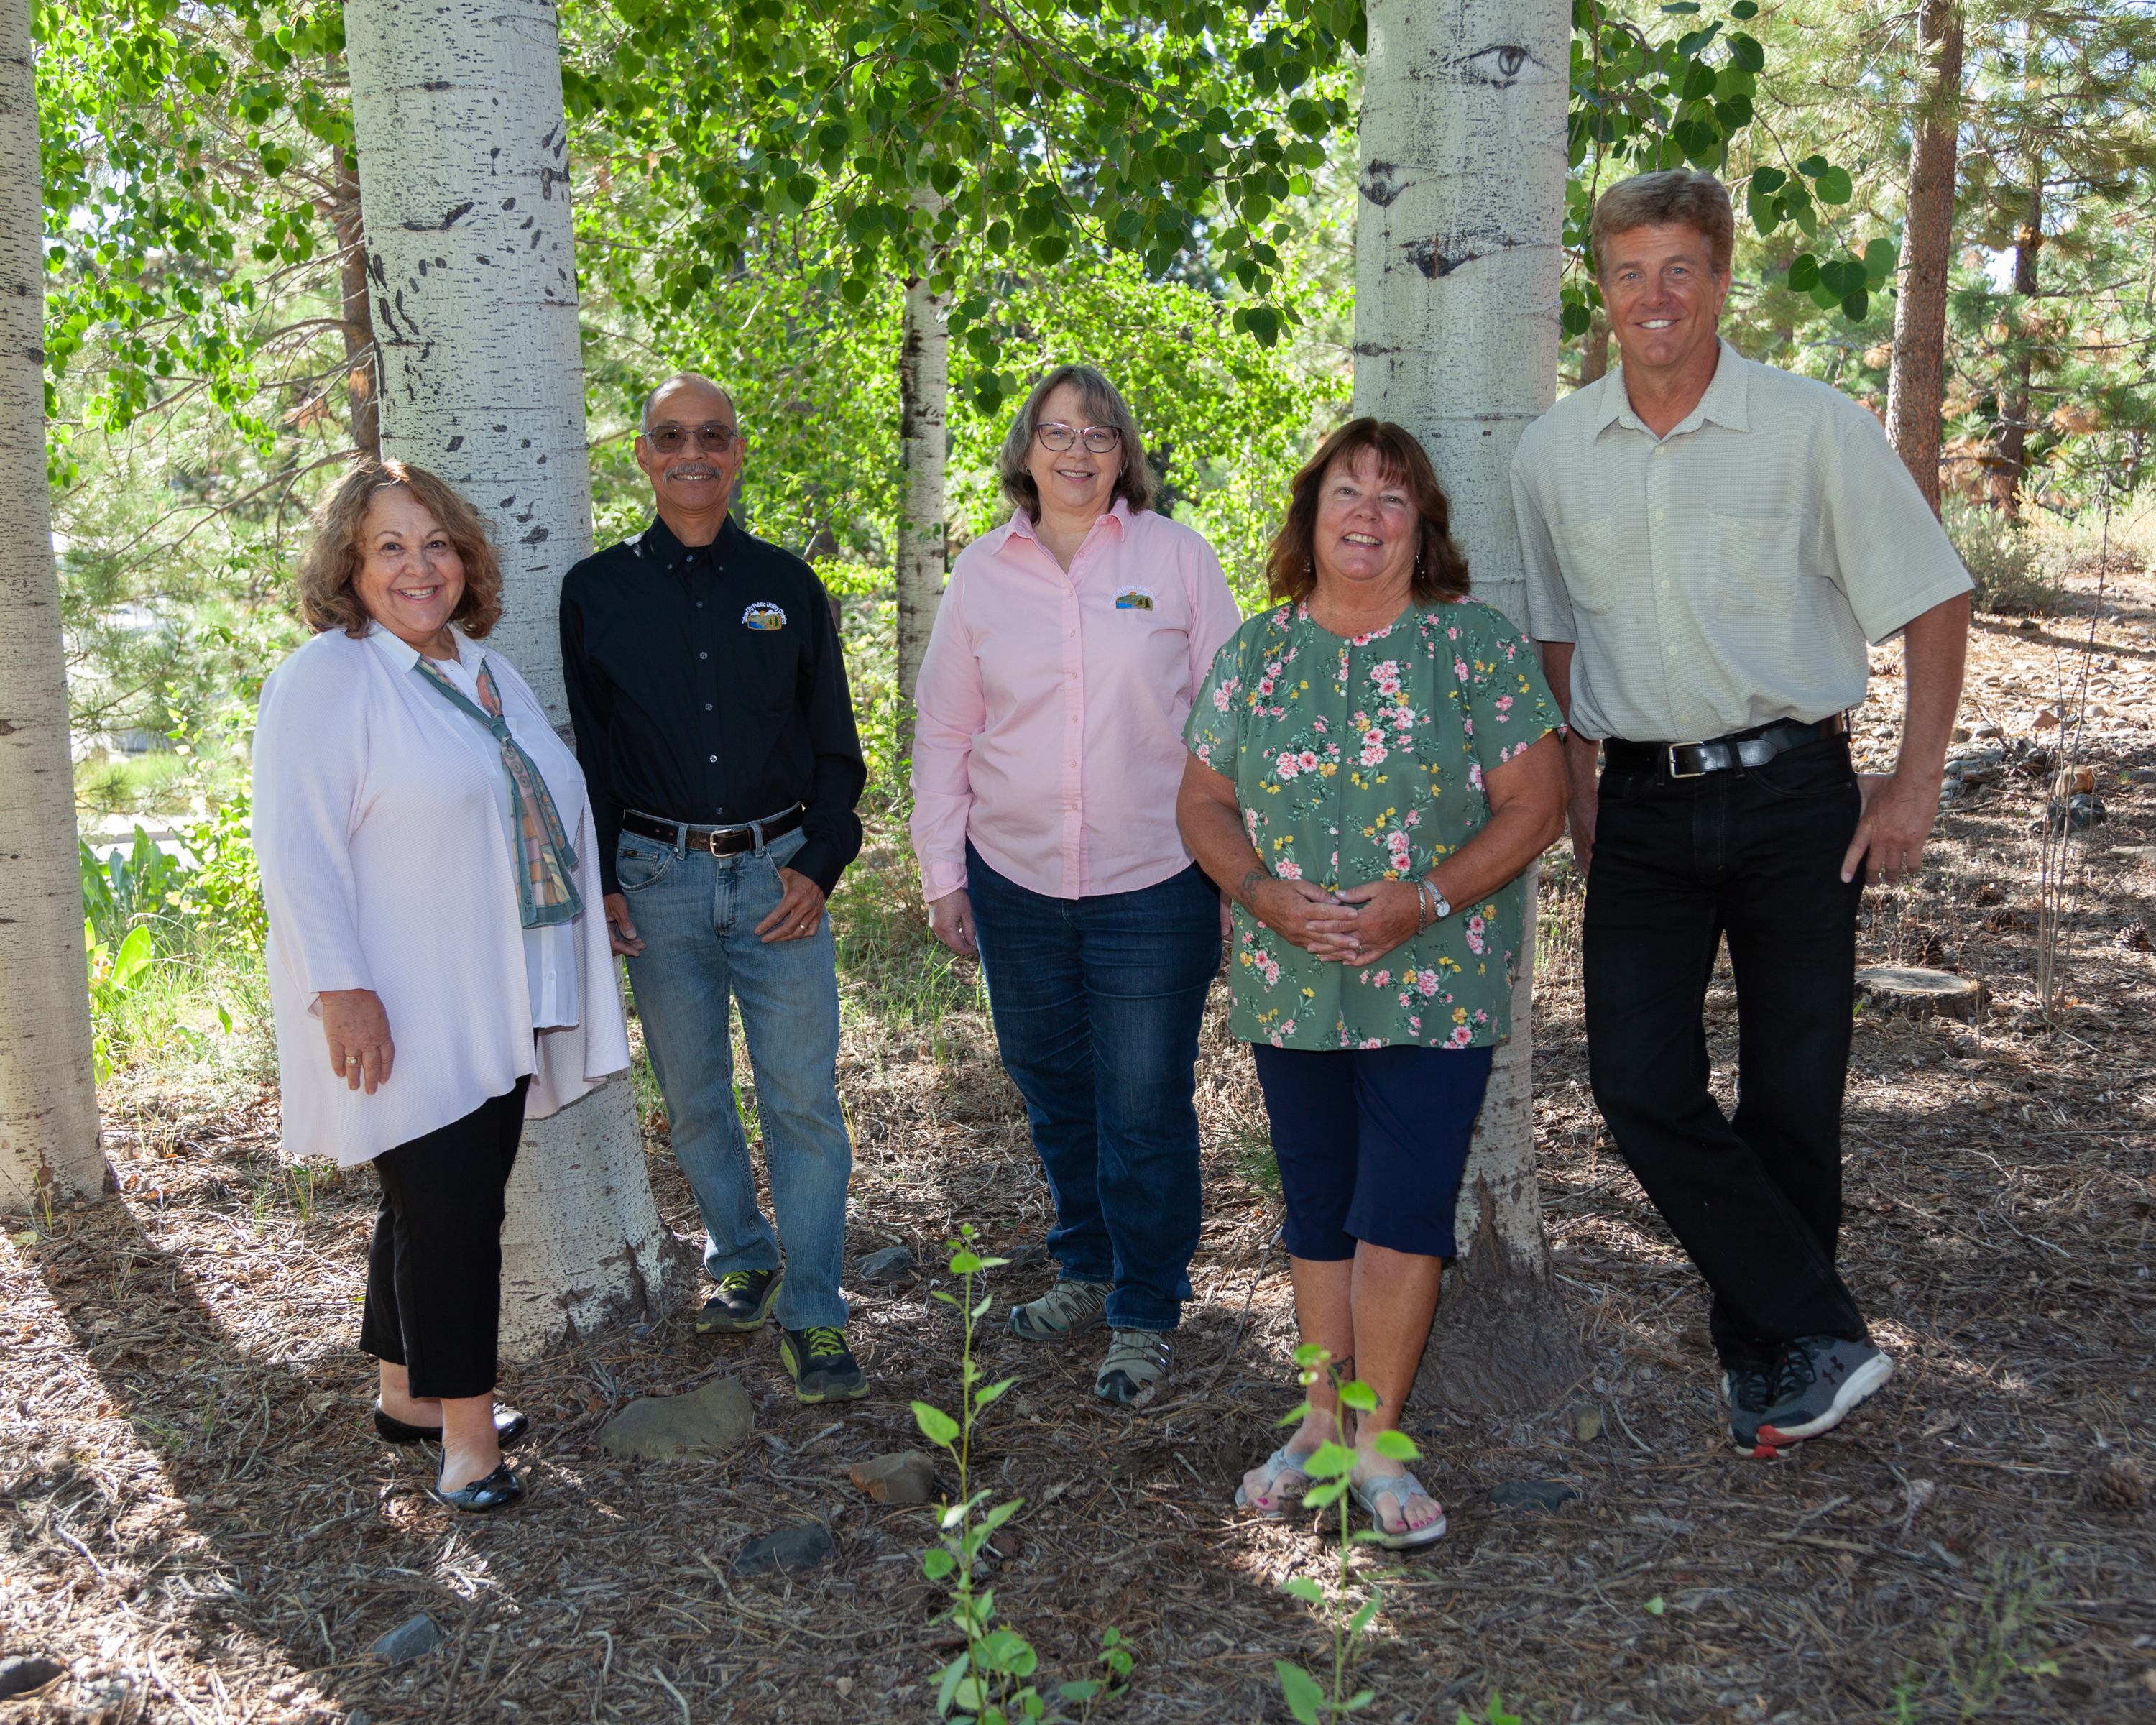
<point x="950" y="709"/>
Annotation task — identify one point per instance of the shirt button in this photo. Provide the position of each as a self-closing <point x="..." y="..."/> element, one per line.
<point x="714" y="759"/>
<point x="703" y="655"/>
<point x="1658" y="514"/>
<point x="1673" y="653"/>
<point x="1665" y="587"/>
<point x="699" y="604"/>
<point x="707" y="705"/>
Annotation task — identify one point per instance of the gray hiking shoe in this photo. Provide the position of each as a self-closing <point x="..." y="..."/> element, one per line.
<point x="1749" y="1390"/>
<point x="1820" y="1381"/>
<point x="1137" y="1362"/>
<point x="1069" y="1308"/>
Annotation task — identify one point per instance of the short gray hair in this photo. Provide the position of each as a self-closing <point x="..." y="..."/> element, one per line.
<point x="667" y="383"/>
<point x="1104" y="406"/>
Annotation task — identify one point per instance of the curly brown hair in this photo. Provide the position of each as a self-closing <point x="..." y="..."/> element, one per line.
<point x="1440" y="570"/>
<point x="328" y="598"/>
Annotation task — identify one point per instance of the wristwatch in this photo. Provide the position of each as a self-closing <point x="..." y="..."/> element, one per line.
<point x="1441" y="908"/>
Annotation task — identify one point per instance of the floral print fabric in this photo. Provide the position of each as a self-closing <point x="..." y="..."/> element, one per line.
<point x="1361" y="759"/>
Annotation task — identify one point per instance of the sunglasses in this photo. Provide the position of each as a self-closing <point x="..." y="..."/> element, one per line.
<point x="714" y="439"/>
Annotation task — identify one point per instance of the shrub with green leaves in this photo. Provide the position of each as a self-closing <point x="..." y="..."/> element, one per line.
<point x="2002" y="560"/>
<point x="990" y="1682"/>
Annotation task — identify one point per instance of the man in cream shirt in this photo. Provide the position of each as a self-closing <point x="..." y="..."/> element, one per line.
<point x="1710" y="545"/>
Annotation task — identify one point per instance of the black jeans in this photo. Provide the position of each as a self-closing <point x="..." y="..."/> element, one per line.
<point x="434" y="1275"/>
<point x="1755" y="854"/>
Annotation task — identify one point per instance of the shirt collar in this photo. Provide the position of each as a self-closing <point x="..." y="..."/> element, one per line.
<point x="1021" y="524"/>
<point x="1726" y="401"/>
<point x="670" y="553"/>
<point x="404" y="655"/>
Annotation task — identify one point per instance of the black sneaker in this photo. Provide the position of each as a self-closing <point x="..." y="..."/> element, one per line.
<point x="1819" y="1381"/>
<point x="822" y="1366"/>
<point x="1747" y="1390"/>
<point x="742" y="1302"/>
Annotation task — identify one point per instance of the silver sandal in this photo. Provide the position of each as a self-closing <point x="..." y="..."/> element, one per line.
<point x="1281" y="1469"/>
<point x="1400" y="1486"/>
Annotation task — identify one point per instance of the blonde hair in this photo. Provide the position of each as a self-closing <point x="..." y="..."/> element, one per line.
<point x="328" y="598"/>
<point x="1676" y="195"/>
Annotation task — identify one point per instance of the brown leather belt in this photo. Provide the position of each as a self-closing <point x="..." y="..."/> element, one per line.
<point x="1745" y="748"/>
<point x="719" y="841"/>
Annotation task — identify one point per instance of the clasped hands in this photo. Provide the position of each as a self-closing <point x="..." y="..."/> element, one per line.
<point x="1357" y="927"/>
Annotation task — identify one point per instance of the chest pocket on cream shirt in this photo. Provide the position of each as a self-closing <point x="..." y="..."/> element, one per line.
<point x="1583" y="553"/>
<point x="1752" y="563"/>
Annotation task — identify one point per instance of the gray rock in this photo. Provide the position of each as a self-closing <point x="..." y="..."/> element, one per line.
<point x="907" y="1477"/>
<point x="2142" y="775"/>
<point x="807" y="1547"/>
<point x="410" y="1639"/>
<point x="19" y="1676"/>
<point x="2085" y="811"/>
<point x="1532" y="1494"/>
<point x="716" y="1417"/>
<point x="891" y="1264"/>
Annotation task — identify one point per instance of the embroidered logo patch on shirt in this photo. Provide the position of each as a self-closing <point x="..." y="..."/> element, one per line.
<point x="1134" y="598"/>
<point x="763" y="614"/>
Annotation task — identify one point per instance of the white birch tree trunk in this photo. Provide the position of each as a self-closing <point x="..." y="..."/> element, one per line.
<point x="1458" y="260"/>
<point x="464" y="191"/>
<point x="48" y="1127"/>
<point x="924" y="381"/>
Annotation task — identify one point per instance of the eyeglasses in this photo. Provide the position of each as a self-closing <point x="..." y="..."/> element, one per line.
<point x="714" y="438"/>
<point x="1099" y="439"/>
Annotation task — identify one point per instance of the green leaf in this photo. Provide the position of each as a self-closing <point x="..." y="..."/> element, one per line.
<point x="964" y="1262"/>
<point x="1360" y="1699"/>
<point x="1768" y="181"/>
<point x="1854" y="306"/>
<point x="1359" y="1395"/>
<point x="1304" y="1589"/>
<point x="1085" y="1691"/>
<point x="1824" y="297"/>
<point x="1395" y="1446"/>
<point x="954" y="1674"/>
<point x="935" y="1426"/>
<point x="1681" y="8"/>
<point x="1744" y="9"/>
<point x="983" y="1396"/>
<point x="1575" y="319"/>
<point x="1834" y="185"/>
<point x="1880" y="259"/>
<point x="1325" y="1495"/>
<point x="1300" y="1691"/>
<point x="1365" y="1617"/>
<point x="1744" y="53"/>
<point x="1812" y="166"/>
<point x="1841" y="276"/>
<point x="132" y="959"/>
<point x="937" y="1563"/>
<point x="1655" y="1608"/>
<point x="1329" y="1462"/>
<point x="1804" y="273"/>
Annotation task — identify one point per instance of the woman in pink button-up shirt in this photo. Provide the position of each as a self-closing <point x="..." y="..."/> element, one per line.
<point x="1046" y="759"/>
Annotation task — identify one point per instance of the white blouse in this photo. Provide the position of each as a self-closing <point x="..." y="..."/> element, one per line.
<point x="385" y="865"/>
<point x="550" y="951"/>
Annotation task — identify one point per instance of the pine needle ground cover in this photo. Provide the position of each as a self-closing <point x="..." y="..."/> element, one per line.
<point x="196" y="1523"/>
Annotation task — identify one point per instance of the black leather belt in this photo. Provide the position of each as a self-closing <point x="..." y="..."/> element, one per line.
<point x="1694" y="760"/>
<point x="719" y="841"/>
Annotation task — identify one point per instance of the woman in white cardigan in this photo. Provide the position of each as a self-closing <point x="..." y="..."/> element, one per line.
<point x="426" y="850"/>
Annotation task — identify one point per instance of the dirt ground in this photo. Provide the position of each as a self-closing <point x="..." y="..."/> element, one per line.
<point x="195" y="1522"/>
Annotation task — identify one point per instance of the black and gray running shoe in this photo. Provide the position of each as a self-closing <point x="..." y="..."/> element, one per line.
<point x="1819" y="1381"/>
<point x="743" y="1302"/>
<point x="1747" y="1390"/>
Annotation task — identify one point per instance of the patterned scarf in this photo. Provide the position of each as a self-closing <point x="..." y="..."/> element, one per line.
<point x="546" y="885"/>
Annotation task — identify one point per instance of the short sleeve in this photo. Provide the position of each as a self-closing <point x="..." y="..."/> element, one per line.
<point x="1892" y="559"/>
<point x="1510" y="708"/>
<point x="1213" y="730"/>
<point x="1549" y="602"/>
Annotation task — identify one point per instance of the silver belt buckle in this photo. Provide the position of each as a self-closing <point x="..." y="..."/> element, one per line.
<point x="1674" y="773"/>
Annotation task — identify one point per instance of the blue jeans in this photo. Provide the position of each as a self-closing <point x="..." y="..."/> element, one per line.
<point x="697" y="915"/>
<point x="1097" y="1005"/>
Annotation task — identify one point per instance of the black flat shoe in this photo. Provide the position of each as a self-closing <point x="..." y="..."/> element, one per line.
<point x="497" y="1490"/>
<point x="509" y="1429"/>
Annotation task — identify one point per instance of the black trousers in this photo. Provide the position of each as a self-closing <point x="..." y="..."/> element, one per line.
<point x="433" y="1274"/>
<point x="1754" y="853"/>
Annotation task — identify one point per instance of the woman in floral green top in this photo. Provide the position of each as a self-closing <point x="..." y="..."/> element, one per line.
<point x="1373" y="766"/>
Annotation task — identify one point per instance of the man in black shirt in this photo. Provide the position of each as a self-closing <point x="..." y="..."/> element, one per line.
<point x="716" y="736"/>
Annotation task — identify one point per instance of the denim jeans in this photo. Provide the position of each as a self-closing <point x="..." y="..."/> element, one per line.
<point x="1754" y="853"/>
<point x="697" y="915"/>
<point x="1097" y="1005"/>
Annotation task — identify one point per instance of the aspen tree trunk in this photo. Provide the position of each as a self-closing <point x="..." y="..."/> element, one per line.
<point x="464" y="181"/>
<point x="924" y="381"/>
<point x="1916" y="384"/>
<point x="1458" y="260"/>
<point x="49" y="1129"/>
